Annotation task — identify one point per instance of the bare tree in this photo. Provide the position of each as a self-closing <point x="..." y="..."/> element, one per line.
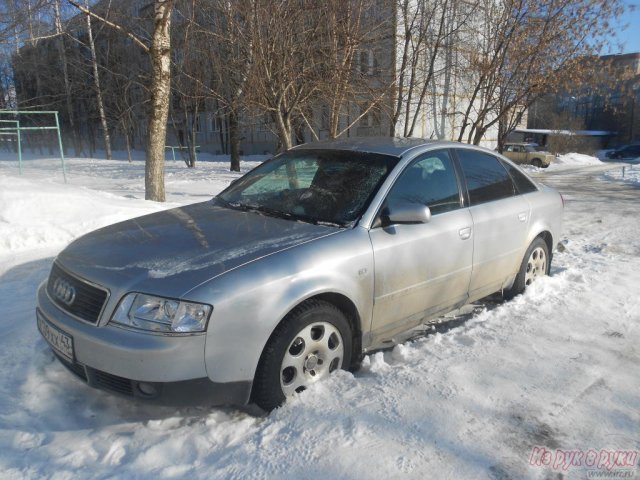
<point x="286" y="64"/>
<point x="525" y="49"/>
<point x="347" y="45"/>
<point x="426" y="37"/>
<point x="96" y="82"/>
<point x="62" y="52"/>
<point x="223" y="43"/>
<point x="159" y="52"/>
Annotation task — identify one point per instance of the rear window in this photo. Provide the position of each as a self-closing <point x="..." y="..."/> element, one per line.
<point x="523" y="184"/>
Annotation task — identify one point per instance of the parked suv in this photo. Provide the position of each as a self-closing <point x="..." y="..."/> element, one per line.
<point x="312" y="259"/>
<point x="528" y="153"/>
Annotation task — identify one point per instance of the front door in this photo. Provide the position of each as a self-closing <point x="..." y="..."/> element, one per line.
<point x="422" y="269"/>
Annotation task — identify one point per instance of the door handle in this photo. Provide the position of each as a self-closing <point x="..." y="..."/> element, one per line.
<point x="522" y="216"/>
<point x="465" y="233"/>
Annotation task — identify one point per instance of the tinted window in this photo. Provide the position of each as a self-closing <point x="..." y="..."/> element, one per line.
<point x="431" y="181"/>
<point x="486" y="178"/>
<point x="633" y="150"/>
<point x="523" y="184"/>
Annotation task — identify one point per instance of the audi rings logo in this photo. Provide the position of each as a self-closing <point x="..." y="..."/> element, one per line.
<point x="63" y="291"/>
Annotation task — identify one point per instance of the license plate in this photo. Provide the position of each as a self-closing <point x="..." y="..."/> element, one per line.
<point x="60" y="341"/>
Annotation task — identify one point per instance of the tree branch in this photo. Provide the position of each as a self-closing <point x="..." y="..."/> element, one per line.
<point x="135" y="39"/>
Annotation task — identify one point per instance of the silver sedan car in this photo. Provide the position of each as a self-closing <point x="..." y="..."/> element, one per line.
<point x="297" y="269"/>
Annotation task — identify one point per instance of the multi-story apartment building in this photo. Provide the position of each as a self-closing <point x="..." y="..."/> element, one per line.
<point x="428" y="99"/>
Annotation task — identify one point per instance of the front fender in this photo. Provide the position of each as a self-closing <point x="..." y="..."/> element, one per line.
<point x="250" y="302"/>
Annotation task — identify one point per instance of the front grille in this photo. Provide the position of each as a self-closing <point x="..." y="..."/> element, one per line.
<point x="88" y="301"/>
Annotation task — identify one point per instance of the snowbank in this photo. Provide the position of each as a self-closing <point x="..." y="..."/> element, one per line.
<point x="37" y="214"/>
<point x="569" y="160"/>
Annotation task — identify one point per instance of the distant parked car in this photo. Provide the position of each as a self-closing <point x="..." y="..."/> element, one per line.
<point x="627" y="152"/>
<point x="528" y="153"/>
<point x="297" y="269"/>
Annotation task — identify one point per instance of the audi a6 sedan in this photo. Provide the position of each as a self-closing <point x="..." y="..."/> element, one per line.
<point x="297" y="269"/>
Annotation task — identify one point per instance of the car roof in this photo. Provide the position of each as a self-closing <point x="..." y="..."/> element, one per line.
<point x="396" y="146"/>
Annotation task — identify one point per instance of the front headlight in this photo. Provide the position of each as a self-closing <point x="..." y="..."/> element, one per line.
<point x="165" y="315"/>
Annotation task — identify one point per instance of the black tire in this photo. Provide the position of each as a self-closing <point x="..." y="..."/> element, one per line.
<point x="536" y="162"/>
<point x="530" y="268"/>
<point x="271" y="378"/>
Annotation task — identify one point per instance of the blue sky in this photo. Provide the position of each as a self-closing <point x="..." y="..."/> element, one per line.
<point x="630" y="36"/>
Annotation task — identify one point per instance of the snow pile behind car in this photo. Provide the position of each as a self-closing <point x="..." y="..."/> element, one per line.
<point x="574" y="160"/>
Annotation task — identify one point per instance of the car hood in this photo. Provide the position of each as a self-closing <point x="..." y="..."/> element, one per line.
<point x="170" y="252"/>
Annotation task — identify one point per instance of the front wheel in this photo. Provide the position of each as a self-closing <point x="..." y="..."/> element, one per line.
<point x="535" y="264"/>
<point x="312" y="341"/>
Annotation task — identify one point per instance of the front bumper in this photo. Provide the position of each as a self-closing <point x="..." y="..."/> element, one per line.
<point x="137" y="364"/>
<point x="196" y="392"/>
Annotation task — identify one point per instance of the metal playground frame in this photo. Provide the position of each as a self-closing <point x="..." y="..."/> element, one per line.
<point x="16" y="130"/>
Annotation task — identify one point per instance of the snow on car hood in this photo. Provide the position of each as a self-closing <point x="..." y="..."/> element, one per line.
<point x="171" y="251"/>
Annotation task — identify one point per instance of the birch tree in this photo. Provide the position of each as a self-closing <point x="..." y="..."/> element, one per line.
<point x="427" y="34"/>
<point x="159" y="51"/>
<point x="98" y="89"/>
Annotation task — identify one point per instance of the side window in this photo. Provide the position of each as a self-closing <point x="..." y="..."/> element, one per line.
<point x="431" y="181"/>
<point x="486" y="178"/>
<point x="523" y="184"/>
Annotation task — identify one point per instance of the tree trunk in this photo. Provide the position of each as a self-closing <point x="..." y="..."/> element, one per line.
<point x="96" y="82"/>
<point x="234" y="142"/>
<point x="192" y="148"/>
<point x="160" y="54"/>
<point x="193" y="136"/>
<point x="283" y="125"/>
<point x="127" y="139"/>
<point x="222" y="133"/>
<point x="77" y="144"/>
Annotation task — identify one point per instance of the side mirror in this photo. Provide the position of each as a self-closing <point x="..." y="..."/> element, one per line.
<point x="406" y="213"/>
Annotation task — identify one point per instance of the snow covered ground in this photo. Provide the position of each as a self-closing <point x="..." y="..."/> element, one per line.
<point x="554" y="368"/>
<point x="574" y="160"/>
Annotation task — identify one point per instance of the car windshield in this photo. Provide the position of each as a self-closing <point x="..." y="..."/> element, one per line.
<point x="317" y="186"/>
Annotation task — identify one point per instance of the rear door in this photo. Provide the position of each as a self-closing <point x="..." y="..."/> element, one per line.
<point x="500" y="221"/>
<point x="421" y="269"/>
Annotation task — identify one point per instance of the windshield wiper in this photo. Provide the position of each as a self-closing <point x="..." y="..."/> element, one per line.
<point x="272" y="212"/>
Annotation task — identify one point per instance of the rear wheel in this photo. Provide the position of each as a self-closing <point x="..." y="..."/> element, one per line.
<point x="312" y="341"/>
<point x="536" y="263"/>
<point x="536" y="162"/>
